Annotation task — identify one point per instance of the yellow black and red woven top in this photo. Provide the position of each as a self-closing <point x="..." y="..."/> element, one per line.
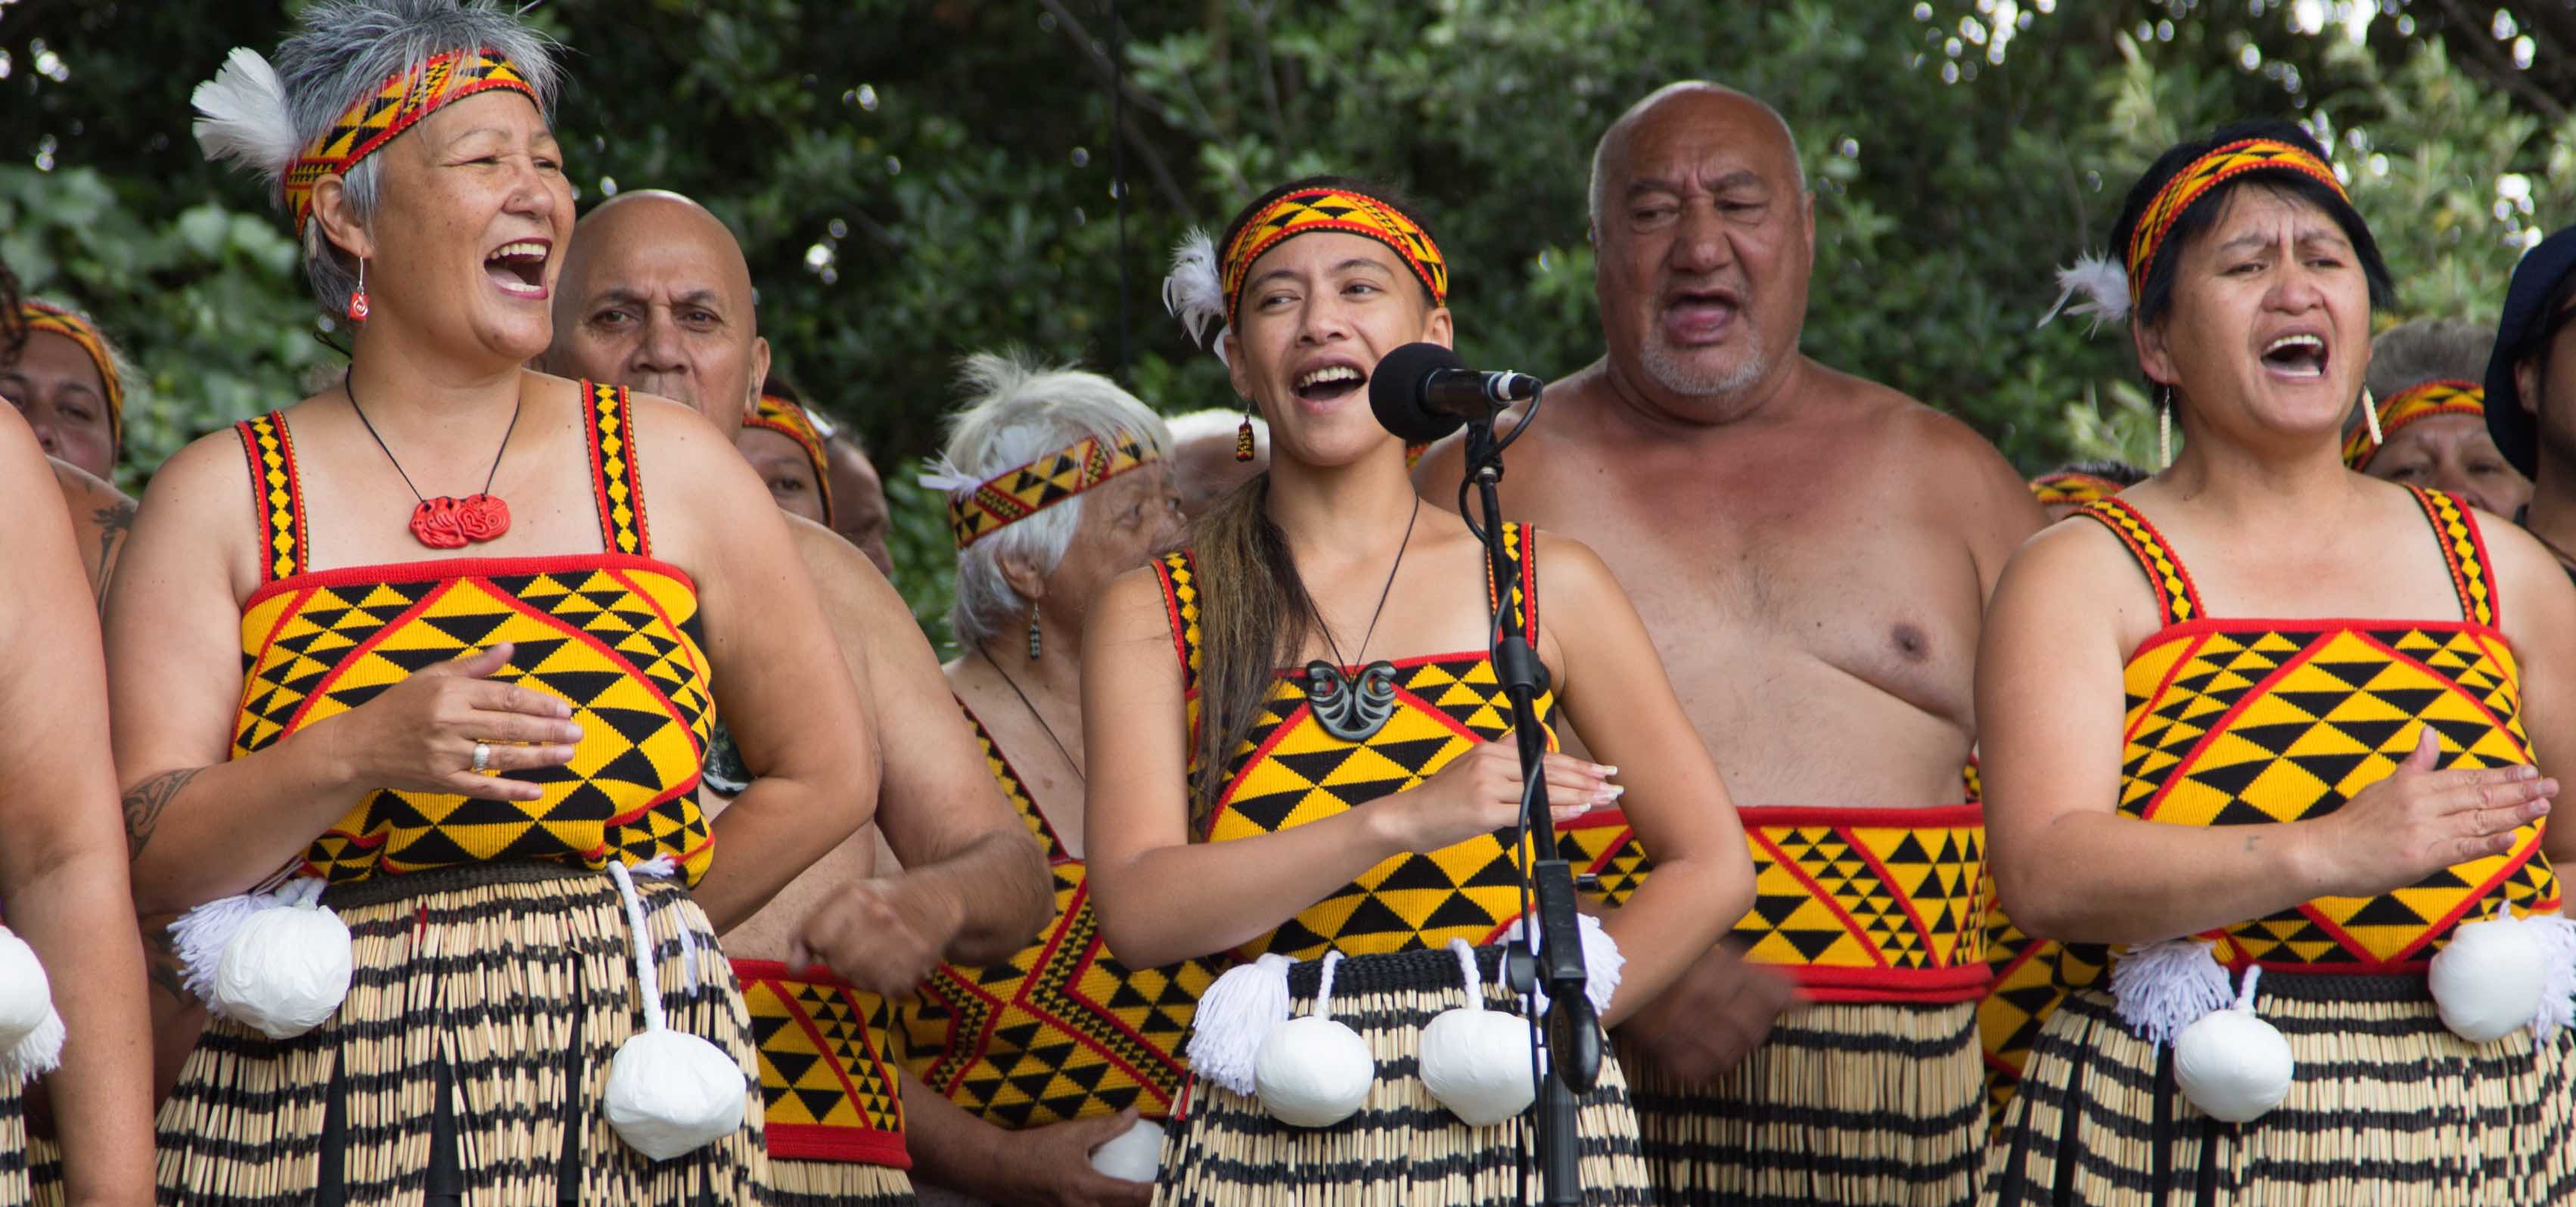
<point x="1060" y="1030"/>
<point x="2247" y="722"/>
<point x="1290" y="772"/>
<point x="614" y="633"/>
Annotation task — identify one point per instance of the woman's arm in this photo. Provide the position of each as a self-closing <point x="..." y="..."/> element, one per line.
<point x="62" y="869"/>
<point x="2538" y="608"/>
<point x="1614" y="685"/>
<point x="1162" y="898"/>
<point x="779" y="682"/>
<point x="2069" y="866"/>
<point x="200" y="827"/>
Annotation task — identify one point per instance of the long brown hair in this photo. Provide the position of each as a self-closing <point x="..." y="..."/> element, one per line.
<point x="1254" y="613"/>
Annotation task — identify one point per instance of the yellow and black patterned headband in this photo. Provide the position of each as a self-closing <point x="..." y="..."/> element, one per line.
<point x="790" y="420"/>
<point x="1022" y="491"/>
<point x="42" y="316"/>
<point x="2208" y="172"/>
<point x="1307" y="211"/>
<point x="2423" y="400"/>
<point x="395" y="106"/>
<point x="2072" y="489"/>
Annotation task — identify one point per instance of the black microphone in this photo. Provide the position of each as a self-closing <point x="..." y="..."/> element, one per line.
<point x="1422" y="392"/>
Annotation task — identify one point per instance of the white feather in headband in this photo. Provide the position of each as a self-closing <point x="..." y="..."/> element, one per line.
<point x="2104" y="285"/>
<point x="1193" y="294"/>
<point x="243" y="115"/>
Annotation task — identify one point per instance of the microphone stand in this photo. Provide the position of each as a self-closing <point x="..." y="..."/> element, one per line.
<point x="1573" y="1032"/>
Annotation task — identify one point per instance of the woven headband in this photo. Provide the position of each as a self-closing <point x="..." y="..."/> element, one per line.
<point x="395" y="106"/>
<point x="790" y="420"/>
<point x="2423" y="400"/>
<point x="2070" y="489"/>
<point x="43" y="316"/>
<point x="1307" y="211"/>
<point x="2208" y="172"/>
<point x="1022" y="491"/>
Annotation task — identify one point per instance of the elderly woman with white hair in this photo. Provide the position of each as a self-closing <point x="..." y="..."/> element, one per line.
<point x="425" y="775"/>
<point x="1058" y="481"/>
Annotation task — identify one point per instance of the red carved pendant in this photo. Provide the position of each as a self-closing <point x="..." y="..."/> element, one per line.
<point x="452" y="523"/>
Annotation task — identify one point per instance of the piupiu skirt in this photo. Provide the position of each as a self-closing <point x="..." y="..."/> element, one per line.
<point x="1858" y="1102"/>
<point x="15" y="1188"/>
<point x="1403" y="1147"/>
<point x="470" y="1060"/>
<point x="2389" y="1108"/>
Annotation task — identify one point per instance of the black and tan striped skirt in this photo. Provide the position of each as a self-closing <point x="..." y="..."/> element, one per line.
<point x="1873" y="1102"/>
<point x="15" y="1185"/>
<point x="470" y="1059"/>
<point x="1403" y="1149"/>
<point x="2388" y="1107"/>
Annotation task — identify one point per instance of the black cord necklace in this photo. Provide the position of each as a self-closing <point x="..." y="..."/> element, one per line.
<point x="1354" y="708"/>
<point x="447" y="522"/>
<point x="1035" y="715"/>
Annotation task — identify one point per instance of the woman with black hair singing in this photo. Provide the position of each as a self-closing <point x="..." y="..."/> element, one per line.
<point x="2270" y="726"/>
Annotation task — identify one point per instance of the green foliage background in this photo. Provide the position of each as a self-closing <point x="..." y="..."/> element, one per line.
<point x="916" y="180"/>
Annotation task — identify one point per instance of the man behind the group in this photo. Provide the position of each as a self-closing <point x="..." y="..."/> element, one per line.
<point x="655" y="295"/>
<point x="1812" y="553"/>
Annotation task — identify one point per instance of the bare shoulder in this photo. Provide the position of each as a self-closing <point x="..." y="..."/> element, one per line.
<point x="1931" y="443"/>
<point x="206" y="485"/>
<point x="86" y="494"/>
<point x="679" y="437"/>
<point x="847" y="581"/>
<point x="2073" y="570"/>
<point x="1569" y="572"/>
<point x="1130" y="606"/>
<point x="2526" y="573"/>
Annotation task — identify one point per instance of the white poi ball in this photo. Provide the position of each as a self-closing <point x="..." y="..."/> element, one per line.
<point x="285" y="970"/>
<point x="1136" y="1155"/>
<point x="2233" y="1066"/>
<point x="26" y="997"/>
<point x="2487" y="981"/>
<point x="670" y="1092"/>
<point x="1477" y="1063"/>
<point x="1312" y="1072"/>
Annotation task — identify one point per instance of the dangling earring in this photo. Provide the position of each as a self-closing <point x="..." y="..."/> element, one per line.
<point x="358" y="299"/>
<point x="1243" y="436"/>
<point x="2370" y="416"/>
<point x="2164" y="430"/>
<point x="1033" y="632"/>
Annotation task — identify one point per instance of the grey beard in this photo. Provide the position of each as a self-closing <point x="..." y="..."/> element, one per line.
<point x="1673" y="374"/>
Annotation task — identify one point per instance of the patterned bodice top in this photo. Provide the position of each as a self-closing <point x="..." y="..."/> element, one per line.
<point x="1290" y="772"/>
<point x="1061" y="1030"/>
<point x="615" y="634"/>
<point x="2246" y="722"/>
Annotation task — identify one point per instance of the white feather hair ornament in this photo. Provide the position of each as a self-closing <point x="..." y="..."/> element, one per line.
<point x="1194" y="294"/>
<point x="243" y="115"/>
<point x="2104" y="285"/>
<point x="942" y="475"/>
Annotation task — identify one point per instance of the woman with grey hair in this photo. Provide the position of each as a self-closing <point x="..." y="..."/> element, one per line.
<point x="2432" y="410"/>
<point x="1058" y="481"/>
<point x="424" y="777"/>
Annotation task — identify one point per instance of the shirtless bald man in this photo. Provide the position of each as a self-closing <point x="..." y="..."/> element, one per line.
<point x="655" y="295"/>
<point x="1812" y="553"/>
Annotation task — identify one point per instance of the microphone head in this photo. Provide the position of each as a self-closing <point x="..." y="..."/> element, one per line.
<point x="1395" y="392"/>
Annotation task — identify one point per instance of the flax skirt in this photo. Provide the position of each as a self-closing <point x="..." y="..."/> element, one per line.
<point x="837" y="1184"/>
<point x="2389" y="1108"/>
<point x="1403" y="1147"/>
<point x="470" y="1061"/>
<point x="1874" y="1103"/>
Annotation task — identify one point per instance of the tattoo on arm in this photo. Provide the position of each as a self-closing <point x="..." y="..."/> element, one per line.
<point x="144" y="804"/>
<point x="114" y="522"/>
<point x="2251" y="841"/>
